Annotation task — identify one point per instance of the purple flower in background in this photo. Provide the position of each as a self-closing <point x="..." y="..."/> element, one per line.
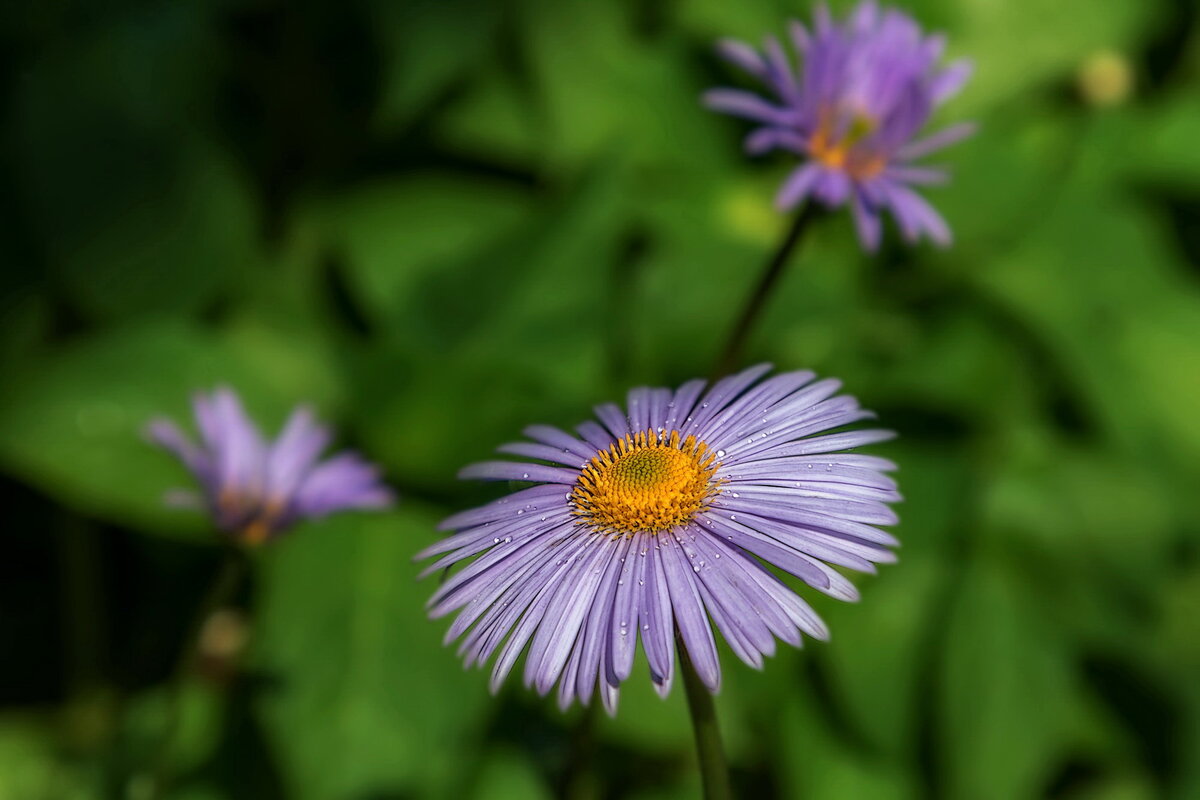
<point x="254" y="488"/>
<point x="865" y="88"/>
<point x="659" y="517"/>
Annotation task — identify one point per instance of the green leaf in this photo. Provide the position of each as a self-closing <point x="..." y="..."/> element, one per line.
<point x="399" y="235"/>
<point x="1054" y="40"/>
<point x="30" y="769"/>
<point x="426" y="46"/>
<point x="1003" y="694"/>
<point x="812" y="761"/>
<point x="368" y="699"/>
<point x="137" y="210"/>
<point x="877" y="650"/>
<point x="1096" y="281"/>
<point x="508" y="775"/>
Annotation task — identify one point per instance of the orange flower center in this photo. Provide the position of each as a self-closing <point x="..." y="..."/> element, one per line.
<point x="839" y="151"/>
<point x="646" y="482"/>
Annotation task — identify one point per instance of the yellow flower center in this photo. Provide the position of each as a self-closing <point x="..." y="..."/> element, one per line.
<point x="646" y="482"/>
<point x="839" y="152"/>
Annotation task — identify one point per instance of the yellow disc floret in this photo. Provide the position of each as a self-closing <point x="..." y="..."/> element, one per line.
<point x="646" y="481"/>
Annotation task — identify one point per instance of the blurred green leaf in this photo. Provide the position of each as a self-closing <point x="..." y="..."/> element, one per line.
<point x="398" y="236"/>
<point x="30" y="769"/>
<point x="1054" y="41"/>
<point x="879" y="650"/>
<point x="368" y="700"/>
<point x="137" y="210"/>
<point x="508" y="775"/>
<point x="1096" y="282"/>
<point x="813" y="762"/>
<point x="1002" y="697"/>
<point x="426" y="46"/>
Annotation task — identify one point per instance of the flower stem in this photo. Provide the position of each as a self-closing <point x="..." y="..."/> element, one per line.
<point x="714" y="774"/>
<point x="770" y="276"/>
<point x="221" y="592"/>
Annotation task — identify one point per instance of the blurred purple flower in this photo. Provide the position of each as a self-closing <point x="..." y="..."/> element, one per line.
<point x="659" y="519"/>
<point x="865" y="88"/>
<point x="255" y="489"/>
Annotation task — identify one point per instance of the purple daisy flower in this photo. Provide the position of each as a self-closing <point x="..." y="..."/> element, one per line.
<point x="661" y="517"/>
<point x="865" y="88"/>
<point x="255" y="489"/>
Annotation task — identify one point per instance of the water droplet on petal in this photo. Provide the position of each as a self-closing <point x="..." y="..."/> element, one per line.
<point x="720" y="454"/>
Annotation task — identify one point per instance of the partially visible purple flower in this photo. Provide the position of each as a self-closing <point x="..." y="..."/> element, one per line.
<point x="864" y="89"/>
<point x="255" y="489"/>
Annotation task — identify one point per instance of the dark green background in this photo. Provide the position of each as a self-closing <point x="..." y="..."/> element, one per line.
<point x="442" y="221"/>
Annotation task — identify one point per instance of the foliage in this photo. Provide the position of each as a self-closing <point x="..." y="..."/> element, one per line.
<point x="441" y="221"/>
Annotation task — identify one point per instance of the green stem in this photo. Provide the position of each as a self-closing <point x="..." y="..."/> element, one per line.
<point x="221" y="592"/>
<point x="714" y="774"/>
<point x="754" y="304"/>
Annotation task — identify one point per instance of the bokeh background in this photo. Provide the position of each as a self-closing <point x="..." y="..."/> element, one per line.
<point x="440" y="221"/>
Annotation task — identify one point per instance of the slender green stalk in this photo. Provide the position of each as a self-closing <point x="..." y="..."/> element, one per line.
<point x="221" y="592"/>
<point x="714" y="773"/>
<point x="774" y="268"/>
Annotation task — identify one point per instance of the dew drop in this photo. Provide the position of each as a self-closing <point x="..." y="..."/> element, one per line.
<point x="808" y="465"/>
<point x="720" y="454"/>
<point x="524" y="474"/>
<point x="495" y="541"/>
<point x="641" y="581"/>
<point x="734" y="494"/>
<point x="520" y="511"/>
<point x="645" y="627"/>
